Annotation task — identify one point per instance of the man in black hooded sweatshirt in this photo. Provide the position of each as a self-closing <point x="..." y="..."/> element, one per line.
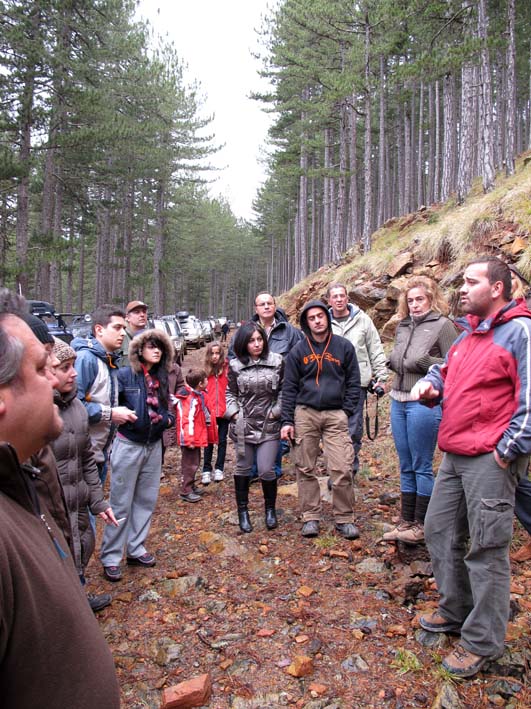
<point x="320" y="391"/>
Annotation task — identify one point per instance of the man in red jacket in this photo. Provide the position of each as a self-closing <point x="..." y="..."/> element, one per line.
<point x="485" y="433"/>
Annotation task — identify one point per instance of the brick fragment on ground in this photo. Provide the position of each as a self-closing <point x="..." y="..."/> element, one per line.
<point x="193" y="692"/>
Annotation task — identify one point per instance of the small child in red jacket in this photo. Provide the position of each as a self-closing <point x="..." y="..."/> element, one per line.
<point x="196" y="428"/>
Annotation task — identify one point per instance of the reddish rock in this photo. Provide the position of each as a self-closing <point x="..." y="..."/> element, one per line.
<point x="193" y="693"/>
<point x="400" y="264"/>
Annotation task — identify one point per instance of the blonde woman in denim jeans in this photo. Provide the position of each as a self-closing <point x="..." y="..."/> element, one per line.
<point x="423" y="337"/>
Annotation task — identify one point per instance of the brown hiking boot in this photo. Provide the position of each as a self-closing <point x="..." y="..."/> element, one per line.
<point x="436" y="623"/>
<point x="413" y="535"/>
<point x="392" y="536"/>
<point x="523" y="554"/>
<point x="462" y="663"/>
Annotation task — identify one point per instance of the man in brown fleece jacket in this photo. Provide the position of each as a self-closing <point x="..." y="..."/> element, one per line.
<point x="52" y="652"/>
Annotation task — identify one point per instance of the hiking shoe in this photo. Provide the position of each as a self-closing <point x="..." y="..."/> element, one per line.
<point x="392" y="536"/>
<point x="198" y="490"/>
<point x="205" y="478"/>
<point x="523" y="554"/>
<point x="462" y="663"/>
<point x="310" y="528"/>
<point x="347" y="530"/>
<point x="413" y="535"/>
<point x="191" y="497"/>
<point x="436" y="623"/>
<point x="99" y="602"/>
<point x="146" y="559"/>
<point x="218" y="475"/>
<point x="112" y="573"/>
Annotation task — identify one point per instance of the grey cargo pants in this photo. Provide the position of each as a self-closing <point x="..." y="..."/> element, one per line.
<point x="468" y="531"/>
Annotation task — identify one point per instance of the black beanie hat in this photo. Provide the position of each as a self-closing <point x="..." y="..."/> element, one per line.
<point x="38" y="327"/>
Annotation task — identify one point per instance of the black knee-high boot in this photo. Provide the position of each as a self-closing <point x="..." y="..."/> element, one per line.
<point x="269" y="488"/>
<point x="241" y="486"/>
<point x="421" y="506"/>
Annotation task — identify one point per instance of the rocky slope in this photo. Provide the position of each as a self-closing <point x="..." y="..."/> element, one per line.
<point x="436" y="241"/>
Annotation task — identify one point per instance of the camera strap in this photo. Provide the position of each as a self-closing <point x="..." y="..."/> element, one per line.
<point x="368" y="419"/>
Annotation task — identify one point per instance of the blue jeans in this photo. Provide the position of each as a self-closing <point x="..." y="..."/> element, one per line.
<point x="415" y="429"/>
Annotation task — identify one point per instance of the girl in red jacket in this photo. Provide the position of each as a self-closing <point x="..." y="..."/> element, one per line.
<point x="216" y="368"/>
<point x="196" y="428"/>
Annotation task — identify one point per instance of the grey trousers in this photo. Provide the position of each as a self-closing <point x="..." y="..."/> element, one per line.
<point x="468" y="531"/>
<point x="265" y="454"/>
<point x="135" y="481"/>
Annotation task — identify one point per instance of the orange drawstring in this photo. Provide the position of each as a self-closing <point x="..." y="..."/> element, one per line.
<point x="318" y="357"/>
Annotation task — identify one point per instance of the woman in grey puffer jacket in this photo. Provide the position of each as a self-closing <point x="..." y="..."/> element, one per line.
<point x="253" y="403"/>
<point x="76" y="465"/>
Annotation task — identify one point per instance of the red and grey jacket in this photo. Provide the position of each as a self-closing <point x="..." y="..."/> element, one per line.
<point x="485" y="384"/>
<point x="193" y="430"/>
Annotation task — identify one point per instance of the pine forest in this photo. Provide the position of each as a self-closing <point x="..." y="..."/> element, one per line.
<point x="379" y="107"/>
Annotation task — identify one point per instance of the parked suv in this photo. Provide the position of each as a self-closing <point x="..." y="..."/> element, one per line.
<point x="191" y="327"/>
<point x="167" y="324"/>
<point x="208" y="330"/>
<point x="177" y="336"/>
<point x="82" y="325"/>
<point x="54" y="321"/>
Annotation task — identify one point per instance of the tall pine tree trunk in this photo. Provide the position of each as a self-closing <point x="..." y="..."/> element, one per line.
<point x="341" y="212"/>
<point x="511" y="90"/>
<point x="487" y="138"/>
<point x="437" y="161"/>
<point x="381" y="195"/>
<point x="466" y="127"/>
<point x="420" y="149"/>
<point x="354" y="227"/>
<point x="449" y="141"/>
<point x="430" y="198"/>
<point x="367" y="152"/>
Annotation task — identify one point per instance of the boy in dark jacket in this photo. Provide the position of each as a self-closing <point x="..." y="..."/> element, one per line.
<point x="196" y="428"/>
<point x="320" y="391"/>
<point x="136" y="458"/>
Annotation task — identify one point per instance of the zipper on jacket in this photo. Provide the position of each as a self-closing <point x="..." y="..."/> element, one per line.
<point x="60" y="551"/>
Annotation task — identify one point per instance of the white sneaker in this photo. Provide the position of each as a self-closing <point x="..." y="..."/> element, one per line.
<point x="218" y="475"/>
<point x="205" y="478"/>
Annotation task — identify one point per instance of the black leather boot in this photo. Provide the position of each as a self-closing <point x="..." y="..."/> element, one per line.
<point x="241" y="486"/>
<point x="269" y="488"/>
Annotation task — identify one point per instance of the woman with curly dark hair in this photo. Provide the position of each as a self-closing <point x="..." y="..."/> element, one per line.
<point x="253" y="404"/>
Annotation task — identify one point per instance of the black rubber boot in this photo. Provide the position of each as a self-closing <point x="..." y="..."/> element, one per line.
<point x="409" y="501"/>
<point x="269" y="488"/>
<point x="241" y="486"/>
<point x="421" y="506"/>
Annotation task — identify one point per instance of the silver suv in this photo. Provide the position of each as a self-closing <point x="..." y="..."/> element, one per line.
<point x="167" y="324"/>
<point x="191" y="327"/>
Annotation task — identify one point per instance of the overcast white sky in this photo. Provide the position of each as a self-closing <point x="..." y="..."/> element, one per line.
<point x="215" y="39"/>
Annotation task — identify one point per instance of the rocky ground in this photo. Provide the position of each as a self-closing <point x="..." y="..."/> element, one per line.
<point x="278" y="620"/>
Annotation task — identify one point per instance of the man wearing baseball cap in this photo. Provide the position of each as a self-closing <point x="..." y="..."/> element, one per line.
<point x="136" y="317"/>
